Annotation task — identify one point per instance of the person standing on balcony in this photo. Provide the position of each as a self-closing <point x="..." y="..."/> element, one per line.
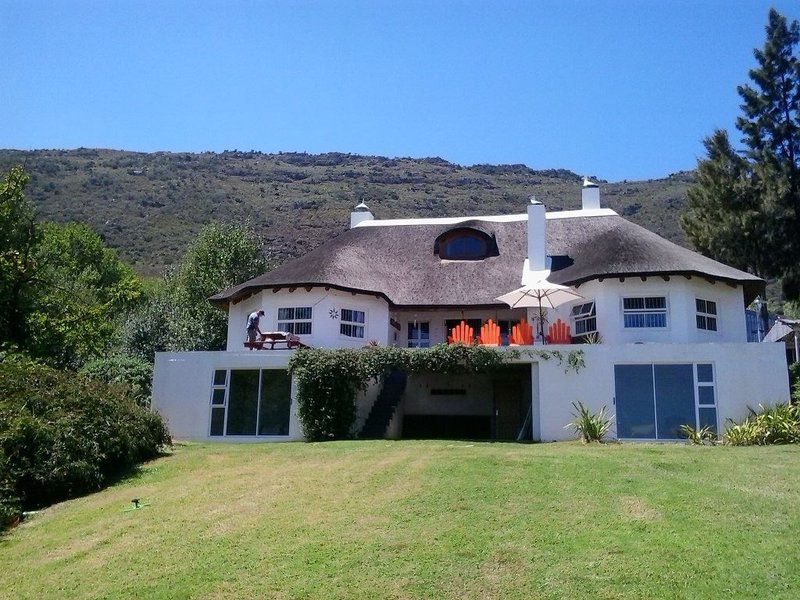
<point x="252" y="325"/>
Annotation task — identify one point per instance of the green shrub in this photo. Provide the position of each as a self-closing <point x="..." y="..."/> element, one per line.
<point x="591" y="427"/>
<point x="133" y="372"/>
<point x="775" y="424"/>
<point x="794" y="373"/>
<point x="702" y="436"/>
<point x="63" y="434"/>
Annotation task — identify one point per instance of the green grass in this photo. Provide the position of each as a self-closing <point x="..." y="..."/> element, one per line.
<point x="424" y="520"/>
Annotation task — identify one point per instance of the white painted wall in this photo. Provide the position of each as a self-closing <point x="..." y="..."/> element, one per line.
<point x="745" y="375"/>
<point x="681" y="322"/>
<point x="182" y="390"/>
<point x="324" y="329"/>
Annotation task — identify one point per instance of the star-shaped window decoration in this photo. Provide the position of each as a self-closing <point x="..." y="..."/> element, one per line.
<point x="333" y="313"/>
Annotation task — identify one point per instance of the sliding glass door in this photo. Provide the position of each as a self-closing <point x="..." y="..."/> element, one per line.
<point x="654" y="400"/>
<point x="250" y="402"/>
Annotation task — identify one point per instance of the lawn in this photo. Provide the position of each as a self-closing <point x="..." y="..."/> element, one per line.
<point x="425" y="520"/>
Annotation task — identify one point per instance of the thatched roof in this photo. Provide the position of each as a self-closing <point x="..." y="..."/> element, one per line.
<point x="396" y="260"/>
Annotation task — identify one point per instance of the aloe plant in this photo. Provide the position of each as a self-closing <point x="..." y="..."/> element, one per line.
<point x="591" y="427"/>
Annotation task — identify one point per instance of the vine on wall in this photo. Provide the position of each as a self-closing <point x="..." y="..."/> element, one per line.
<point x="329" y="380"/>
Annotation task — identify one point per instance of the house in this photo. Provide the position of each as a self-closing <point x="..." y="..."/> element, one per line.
<point x="671" y="325"/>
<point x="786" y="330"/>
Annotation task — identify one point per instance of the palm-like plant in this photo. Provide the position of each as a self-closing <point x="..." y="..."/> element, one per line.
<point x="591" y="427"/>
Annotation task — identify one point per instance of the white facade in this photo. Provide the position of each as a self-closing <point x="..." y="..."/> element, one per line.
<point x="744" y="376"/>
<point x="326" y="316"/>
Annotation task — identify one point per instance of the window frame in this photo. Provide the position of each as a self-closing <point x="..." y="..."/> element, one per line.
<point x="583" y="317"/>
<point x="294" y="321"/>
<point x="419" y="341"/>
<point x="646" y="311"/>
<point x="706" y="384"/>
<point x="352" y="324"/>
<point x="705" y="316"/>
<point x="697" y="384"/>
<point x="443" y="241"/>
<point x="224" y="407"/>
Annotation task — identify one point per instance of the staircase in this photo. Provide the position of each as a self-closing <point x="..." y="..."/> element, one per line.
<point x="379" y="417"/>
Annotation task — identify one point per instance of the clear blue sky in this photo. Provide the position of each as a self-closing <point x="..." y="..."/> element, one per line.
<point x="621" y="90"/>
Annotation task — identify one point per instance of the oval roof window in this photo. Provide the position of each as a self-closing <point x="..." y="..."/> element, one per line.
<point x="464" y="244"/>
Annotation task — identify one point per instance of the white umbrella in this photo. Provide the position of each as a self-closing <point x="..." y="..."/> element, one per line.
<point x="541" y="294"/>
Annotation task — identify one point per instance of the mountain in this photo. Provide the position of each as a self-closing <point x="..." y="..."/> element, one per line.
<point x="150" y="205"/>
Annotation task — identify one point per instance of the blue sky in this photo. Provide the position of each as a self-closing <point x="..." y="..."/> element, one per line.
<point x="621" y="90"/>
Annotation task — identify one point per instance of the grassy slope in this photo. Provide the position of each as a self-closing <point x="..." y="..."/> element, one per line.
<point x="425" y="519"/>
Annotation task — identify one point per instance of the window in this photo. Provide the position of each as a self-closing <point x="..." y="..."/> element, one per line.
<point x="352" y="324"/>
<point x="419" y="334"/>
<point x="706" y="398"/>
<point x="706" y="314"/>
<point x="649" y="311"/>
<point x="295" y="320"/>
<point x="250" y="402"/>
<point x="584" y="318"/>
<point x="465" y="244"/>
<point x="219" y="388"/>
<point x="654" y="400"/>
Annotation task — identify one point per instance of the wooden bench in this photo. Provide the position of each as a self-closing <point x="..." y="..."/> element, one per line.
<point x="274" y="338"/>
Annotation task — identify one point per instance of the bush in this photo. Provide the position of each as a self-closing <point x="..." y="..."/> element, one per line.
<point x="704" y="435"/>
<point x="794" y="373"/>
<point x="64" y="434"/>
<point x="592" y="427"/>
<point x="133" y="372"/>
<point x="776" y="424"/>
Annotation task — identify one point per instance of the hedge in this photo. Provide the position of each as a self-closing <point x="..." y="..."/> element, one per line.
<point x="63" y="434"/>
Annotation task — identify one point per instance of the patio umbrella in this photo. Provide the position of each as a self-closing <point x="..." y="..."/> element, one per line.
<point x="542" y="294"/>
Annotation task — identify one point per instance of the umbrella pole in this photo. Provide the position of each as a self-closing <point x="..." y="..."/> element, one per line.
<point x="541" y="323"/>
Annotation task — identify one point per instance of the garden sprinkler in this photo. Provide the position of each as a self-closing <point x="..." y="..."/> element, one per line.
<point x="137" y="504"/>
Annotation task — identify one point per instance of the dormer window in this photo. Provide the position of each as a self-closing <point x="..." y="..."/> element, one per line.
<point x="465" y="244"/>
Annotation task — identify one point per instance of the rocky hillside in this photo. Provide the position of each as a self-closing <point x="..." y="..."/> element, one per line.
<point x="150" y="205"/>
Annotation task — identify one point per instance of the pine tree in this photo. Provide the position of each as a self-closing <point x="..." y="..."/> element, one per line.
<point x="745" y="208"/>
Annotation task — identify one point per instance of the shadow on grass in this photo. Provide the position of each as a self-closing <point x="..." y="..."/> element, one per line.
<point x="127" y="474"/>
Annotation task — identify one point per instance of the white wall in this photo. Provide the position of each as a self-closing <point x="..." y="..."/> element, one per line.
<point x="745" y="375"/>
<point x="182" y="390"/>
<point x="324" y="329"/>
<point x="681" y="322"/>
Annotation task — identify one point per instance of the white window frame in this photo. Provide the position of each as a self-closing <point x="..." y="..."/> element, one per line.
<point x="294" y="321"/>
<point x="646" y="311"/>
<point x="713" y="385"/>
<point x="353" y="324"/>
<point x="226" y="386"/>
<point x="419" y="342"/>
<point x="705" y="315"/>
<point x="697" y="385"/>
<point x="584" y="317"/>
<point x="224" y="406"/>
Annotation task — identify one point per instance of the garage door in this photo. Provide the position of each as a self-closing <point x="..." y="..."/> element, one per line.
<point x="654" y="400"/>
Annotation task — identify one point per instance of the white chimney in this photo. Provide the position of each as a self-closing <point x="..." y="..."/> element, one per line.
<point x="536" y="236"/>
<point x="360" y="214"/>
<point x="590" y="195"/>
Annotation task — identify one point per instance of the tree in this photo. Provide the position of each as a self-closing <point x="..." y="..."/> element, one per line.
<point x="178" y="315"/>
<point x="19" y="236"/>
<point x="83" y="294"/>
<point x="222" y="256"/>
<point x="745" y="206"/>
